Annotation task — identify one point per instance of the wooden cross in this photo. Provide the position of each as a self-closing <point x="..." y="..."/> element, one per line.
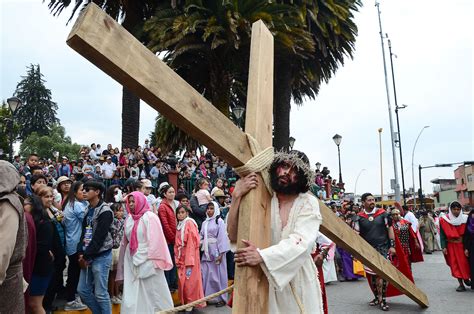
<point x="105" y="43"/>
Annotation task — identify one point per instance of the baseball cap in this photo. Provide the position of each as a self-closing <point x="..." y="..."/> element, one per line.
<point x="147" y="183"/>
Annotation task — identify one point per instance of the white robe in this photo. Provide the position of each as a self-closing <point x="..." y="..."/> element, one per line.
<point x="329" y="266"/>
<point x="146" y="290"/>
<point x="287" y="262"/>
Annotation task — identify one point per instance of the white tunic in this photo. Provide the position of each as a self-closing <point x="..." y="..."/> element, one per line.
<point x="287" y="262"/>
<point x="145" y="289"/>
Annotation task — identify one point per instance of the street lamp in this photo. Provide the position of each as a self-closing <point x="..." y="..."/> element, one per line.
<point x="291" y="142"/>
<point x="420" y="191"/>
<point x="412" y="165"/>
<point x="337" y="139"/>
<point x="318" y="165"/>
<point x="238" y="114"/>
<point x="14" y="103"/>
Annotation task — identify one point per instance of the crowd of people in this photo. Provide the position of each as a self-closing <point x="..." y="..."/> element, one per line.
<point x="126" y="236"/>
<point x="79" y="214"/>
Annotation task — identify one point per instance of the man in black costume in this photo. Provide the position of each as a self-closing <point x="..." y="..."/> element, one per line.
<point x="375" y="226"/>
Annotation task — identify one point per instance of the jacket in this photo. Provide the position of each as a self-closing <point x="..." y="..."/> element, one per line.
<point x="101" y="240"/>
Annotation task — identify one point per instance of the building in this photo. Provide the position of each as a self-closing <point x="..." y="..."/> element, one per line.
<point x="464" y="176"/>
<point x="444" y="191"/>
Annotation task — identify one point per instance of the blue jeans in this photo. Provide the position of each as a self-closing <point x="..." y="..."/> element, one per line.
<point x="93" y="283"/>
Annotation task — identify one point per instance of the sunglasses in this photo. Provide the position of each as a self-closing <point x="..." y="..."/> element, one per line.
<point x="88" y="189"/>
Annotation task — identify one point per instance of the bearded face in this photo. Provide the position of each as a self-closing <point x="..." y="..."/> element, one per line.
<point x="284" y="179"/>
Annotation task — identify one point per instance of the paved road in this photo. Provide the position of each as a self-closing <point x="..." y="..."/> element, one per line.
<point x="432" y="276"/>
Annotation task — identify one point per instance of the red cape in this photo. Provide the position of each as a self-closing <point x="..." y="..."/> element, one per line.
<point x="456" y="260"/>
<point x="416" y="253"/>
<point x="379" y="212"/>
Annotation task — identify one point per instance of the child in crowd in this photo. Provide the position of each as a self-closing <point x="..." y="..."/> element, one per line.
<point x="117" y="235"/>
<point x="150" y="198"/>
<point x="203" y="196"/>
<point x="215" y="244"/>
<point x="186" y="252"/>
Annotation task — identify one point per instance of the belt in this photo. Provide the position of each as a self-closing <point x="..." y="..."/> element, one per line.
<point x="458" y="240"/>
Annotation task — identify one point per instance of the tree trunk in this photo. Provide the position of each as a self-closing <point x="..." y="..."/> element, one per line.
<point x="130" y="102"/>
<point x="281" y="103"/>
<point x="130" y="119"/>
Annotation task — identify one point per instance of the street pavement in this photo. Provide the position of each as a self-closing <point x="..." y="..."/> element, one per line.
<point x="432" y="276"/>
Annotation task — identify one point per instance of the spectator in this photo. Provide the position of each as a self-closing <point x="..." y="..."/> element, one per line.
<point x="215" y="245"/>
<point x="37" y="181"/>
<point x="62" y="192"/>
<point x="47" y="241"/>
<point x="64" y="169"/>
<point x="108" y="168"/>
<point x="145" y="288"/>
<point x="168" y="221"/>
<point x="13" y="235"/>
<point x="93" y="152"/>
<point x="155" y="171"/>
<point x="74" y="212"/>
<point x="187" y="258"/>
<point x="150" y="198"/>
<point x="95" y="250"/>
<point x="221" y="169"/>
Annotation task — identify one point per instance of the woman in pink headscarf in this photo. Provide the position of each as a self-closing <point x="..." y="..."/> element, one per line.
<point x="144" y="257"/>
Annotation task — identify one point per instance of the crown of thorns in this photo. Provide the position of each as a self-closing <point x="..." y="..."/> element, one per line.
<point x="297" y="162"/>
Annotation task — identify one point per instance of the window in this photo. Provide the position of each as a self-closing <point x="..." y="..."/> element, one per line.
<point x="469" y="178"/>
<point x="466" y="194"/>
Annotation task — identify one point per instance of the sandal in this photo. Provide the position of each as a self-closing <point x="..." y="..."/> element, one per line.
<point x="374" y="302"/>
<point x="384" y="307"/>
<point x="461" y="289"/>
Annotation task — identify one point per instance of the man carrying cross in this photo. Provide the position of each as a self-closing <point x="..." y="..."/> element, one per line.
<point x="295" y="221"/>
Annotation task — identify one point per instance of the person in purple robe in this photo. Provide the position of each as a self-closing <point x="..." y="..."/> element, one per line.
<point x="347" y="265"/>
<point x="215" y="244"/>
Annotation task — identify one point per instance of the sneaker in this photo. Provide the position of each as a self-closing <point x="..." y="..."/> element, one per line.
<point x="115" y="300"/>
<point x="75" y="306"/>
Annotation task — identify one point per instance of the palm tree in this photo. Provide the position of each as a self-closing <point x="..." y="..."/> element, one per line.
<point x="333" y="31"/>
<point x="132" y="13"/>
<point x="208" y="45"/>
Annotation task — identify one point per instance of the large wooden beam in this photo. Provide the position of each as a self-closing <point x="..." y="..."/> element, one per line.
<point x="254" y="214"/>
<point x="105" y="43"/>
<point x="339" y="232"/>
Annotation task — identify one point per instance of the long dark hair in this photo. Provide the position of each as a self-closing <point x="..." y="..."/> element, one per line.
<point x="71" y="197"/>
<point x="110" y="193"/>
<point x="38" y="212"/>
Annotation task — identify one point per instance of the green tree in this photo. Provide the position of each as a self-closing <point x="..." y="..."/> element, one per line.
<point x="207" y="43"/>
<point x="38" y="111"/>
<point x="5" y="128"/>
<point x="45" y="145"/>
<point x="132" y="14"/>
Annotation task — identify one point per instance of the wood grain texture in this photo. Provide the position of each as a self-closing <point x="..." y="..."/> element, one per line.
<point x="339" y="232"/>
<point x="105" y="43"/>
<point x="254" y="214"/>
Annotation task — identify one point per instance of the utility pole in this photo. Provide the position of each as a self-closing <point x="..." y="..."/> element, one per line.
<point x="394" y="155"/>
<point x="399" y="137"/>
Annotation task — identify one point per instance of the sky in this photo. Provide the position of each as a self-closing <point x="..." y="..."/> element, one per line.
<point x="432" y="41"/>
